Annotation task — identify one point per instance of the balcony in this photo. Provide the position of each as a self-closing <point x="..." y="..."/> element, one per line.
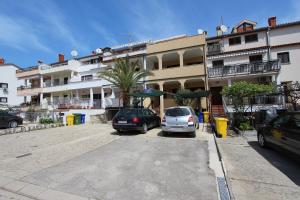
<point x="245" y="69"/>
<point x="28" y="90"/>
<point x="75" y="103"/>
<point x="213" y="49"/>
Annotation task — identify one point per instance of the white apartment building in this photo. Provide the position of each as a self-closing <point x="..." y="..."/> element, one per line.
<point x="73" y="85"/>
<point x="9" y="84"/>
<point x="261" y="55"/>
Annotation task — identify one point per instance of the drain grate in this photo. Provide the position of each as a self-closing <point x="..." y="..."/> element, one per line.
<point x="224" y="195"/>
<point x="24" y="155"/>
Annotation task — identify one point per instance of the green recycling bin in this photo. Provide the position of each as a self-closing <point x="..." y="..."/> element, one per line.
<point x="77" y="118"/>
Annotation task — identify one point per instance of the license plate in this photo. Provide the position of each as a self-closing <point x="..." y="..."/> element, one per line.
<point x="122" y="122"/>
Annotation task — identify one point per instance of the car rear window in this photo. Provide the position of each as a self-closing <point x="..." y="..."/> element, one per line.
<point x="297" y="120"/>
<point x="127" y="112"/>
<point x="174" y="112"/>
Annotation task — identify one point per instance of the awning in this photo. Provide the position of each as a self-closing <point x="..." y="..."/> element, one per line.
<point x="147" y="93"/>
<point x="197" y="94"/>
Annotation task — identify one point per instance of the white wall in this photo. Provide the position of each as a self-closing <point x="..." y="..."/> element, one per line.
<point x="261" y="42"/>
<point x="290" y="71"/>
<point x="286" y="35"/>
<point x="8" y="75"/>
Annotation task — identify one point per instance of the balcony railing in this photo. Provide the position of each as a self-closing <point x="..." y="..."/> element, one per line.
<point x="258" y="100"/>
<point x="214" y="49"/>
<point x="244" y="69"/>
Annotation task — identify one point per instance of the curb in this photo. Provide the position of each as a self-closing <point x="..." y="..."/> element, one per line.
<point x="226" y="181"/>
<point x="23" y="129"/>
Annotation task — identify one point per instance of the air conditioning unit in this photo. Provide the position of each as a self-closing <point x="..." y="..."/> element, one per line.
<point x="5" y="90"/>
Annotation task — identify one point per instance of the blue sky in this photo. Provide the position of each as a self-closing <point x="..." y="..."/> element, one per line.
<point x="34" y="30"/>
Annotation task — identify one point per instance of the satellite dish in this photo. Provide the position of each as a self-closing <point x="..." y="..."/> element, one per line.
<point x="74" y="53"/>
<point x="224" y="28"/>
<point x="98" y="50"/>
<point x="200" y="31"/>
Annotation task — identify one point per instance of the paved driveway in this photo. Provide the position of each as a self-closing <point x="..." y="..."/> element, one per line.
<point x="92" y="161"/>
<point x="257" y="173"/>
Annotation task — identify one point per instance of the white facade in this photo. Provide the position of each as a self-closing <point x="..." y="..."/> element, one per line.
<point x="270" y="41"/>
<point x="9" y="85"/>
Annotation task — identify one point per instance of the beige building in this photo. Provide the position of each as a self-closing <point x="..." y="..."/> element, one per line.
<point x="176" y="63"/>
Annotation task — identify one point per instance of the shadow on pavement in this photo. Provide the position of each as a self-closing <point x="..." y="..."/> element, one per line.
<point x="125" y="133"/>
<point x="176" y="135"/>
<point x="281" y="160"/>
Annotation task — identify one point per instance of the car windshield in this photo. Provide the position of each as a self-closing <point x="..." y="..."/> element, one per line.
<point x="174" y="112"/>
<point x="128" y="112"/>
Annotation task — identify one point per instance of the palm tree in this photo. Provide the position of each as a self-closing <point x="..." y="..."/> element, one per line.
<point x="125" y="75"/>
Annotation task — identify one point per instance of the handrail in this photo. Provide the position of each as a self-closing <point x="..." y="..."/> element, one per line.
<point x="245" y="68"/>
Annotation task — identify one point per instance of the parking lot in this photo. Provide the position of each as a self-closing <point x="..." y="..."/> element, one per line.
<point x="94" y="162"/>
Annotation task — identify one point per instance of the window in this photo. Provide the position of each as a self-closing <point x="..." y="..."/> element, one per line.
<point x="234" y="40"/>
<point x="3" y="99"/>
<point x="251" y="38"/>
<point x="284" y="57"/>
<point x="3" y="85"/>
<point x="66" y="80"/>
<point x="86" y="78"/>
<point x="218" y="63"/>
<point x="255" y="58"/>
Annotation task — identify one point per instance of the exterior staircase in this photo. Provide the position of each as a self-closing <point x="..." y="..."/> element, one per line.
<point x="218" y="111"/>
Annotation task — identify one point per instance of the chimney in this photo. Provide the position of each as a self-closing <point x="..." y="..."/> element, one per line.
<point x="272" y="21"/>
<point x="61" y="57"/>
<point x="2" y="61"/>
<point x="219" y="31"/>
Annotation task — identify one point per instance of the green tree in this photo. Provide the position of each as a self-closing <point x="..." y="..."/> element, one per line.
<point x="292" y="93"/>
<point x="125" y="75"/>
<point x="241" y="94"/>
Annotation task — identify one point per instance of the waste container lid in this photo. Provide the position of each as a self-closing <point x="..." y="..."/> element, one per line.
<point x="70" y="115"/>
<point x="205" y="112"/>
<point x="221" y="119"/>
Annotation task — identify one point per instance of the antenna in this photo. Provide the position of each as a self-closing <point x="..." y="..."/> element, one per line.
<point x="223" y="28"/>
<point x="98" y="50"/>
<point x="74" y="53"/>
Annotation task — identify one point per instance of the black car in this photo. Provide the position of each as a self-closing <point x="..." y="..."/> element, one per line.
<point x="135" y="119"/>
<point x="9" y="121"/>
<point x="283" y="131"/>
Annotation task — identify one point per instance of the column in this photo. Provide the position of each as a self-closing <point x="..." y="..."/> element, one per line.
<point x="159" y="61"/>
<point x="51" y="81"/>
<point x="145" y="68"/>
<point x="25" y="82"/>
<point x="229" y="82"/>
<point x="182" y="82"/>
<point x="41" y="81"/>
<point x="180" y="58"/>
<point x="161" y="101"/>
<point x="51" y="98"/>
<point x="102" y="98"/>
<point x="41" y="99"/>
<point x="91" y="97"/>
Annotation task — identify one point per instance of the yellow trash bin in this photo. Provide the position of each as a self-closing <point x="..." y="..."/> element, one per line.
<point x="206" y="117"/>
<point x="70" y="120"/>
<point x="221" y="125"/>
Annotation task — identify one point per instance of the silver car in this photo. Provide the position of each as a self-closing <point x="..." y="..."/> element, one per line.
<point x="180" y="119"/>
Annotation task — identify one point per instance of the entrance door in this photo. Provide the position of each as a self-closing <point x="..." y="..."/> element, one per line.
<point x="216" y="98"/>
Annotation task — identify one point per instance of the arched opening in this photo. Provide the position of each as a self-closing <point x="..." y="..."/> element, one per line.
<point x="152" y="63"/>
<point x="170" y="88"/>
<point x="193" y="57"/>
<point x="170" y="60"/>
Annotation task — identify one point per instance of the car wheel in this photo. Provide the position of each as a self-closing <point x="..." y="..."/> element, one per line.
<point x="261" y="140"/>
<point x="144" y="128"/>
<point x="13" y="124"/>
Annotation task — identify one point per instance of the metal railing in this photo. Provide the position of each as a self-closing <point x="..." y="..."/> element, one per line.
<point x="244" y="68"/>
<point x="258" y="100"/>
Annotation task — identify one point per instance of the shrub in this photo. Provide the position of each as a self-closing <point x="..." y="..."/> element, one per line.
<point x="46" y="121"/>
